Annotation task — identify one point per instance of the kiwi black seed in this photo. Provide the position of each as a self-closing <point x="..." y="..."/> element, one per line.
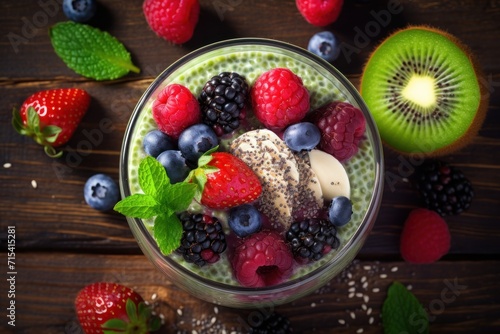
<point x="421" y="86"/>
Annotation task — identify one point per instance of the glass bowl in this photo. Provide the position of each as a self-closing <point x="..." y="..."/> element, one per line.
<point x="250" y="57"/>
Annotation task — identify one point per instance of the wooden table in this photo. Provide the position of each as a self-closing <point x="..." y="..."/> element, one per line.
<point x="62" y="244"/>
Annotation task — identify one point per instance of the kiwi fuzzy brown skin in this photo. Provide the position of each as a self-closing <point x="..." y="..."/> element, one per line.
<point x="480" y="114"/>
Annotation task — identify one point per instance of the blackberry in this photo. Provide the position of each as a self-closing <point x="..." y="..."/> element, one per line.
<point x="203" y="239"/>
<point x="312" y="238"/>
<point x="444" y="188"/>
<point x="274" y="323"/>
<point x="222" y="101"/>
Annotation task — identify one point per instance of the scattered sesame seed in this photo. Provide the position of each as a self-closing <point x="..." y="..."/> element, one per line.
<point x="394" y="269"/>
<point x="342" y="321"/>
<point x="34" y="184"/>
<point x="154" y="296"/>
<point x="351" y="295"/>
<point x="360" y="330"/>
<point x="216" y="310"/>
<point x="363" y="306"/>
<point x="359" y="294"/>
<point x="409" y="286"/>
<point x="371" y="320"/>
<point x="352" y="289"/>
<point x="363" y="279"/>
<point x="366" y="298"/>
<point x="383" y="276"/>
<point x="375" y="290"/>
<point x="365" y="285"/>
<point x="313" y="304"/>
<point x="179" y="311"/>
<point x="351" y="283"/>
<point x="349" y="275"/>
<point x="369" y="311"/>
<point x="213" y="320"/>
<point x="162" y="316"/>
<point x="367" y="267"/>
<point x="146" y="302"/>
<point x="353" y="315"/>
<point x="7" y="165"/>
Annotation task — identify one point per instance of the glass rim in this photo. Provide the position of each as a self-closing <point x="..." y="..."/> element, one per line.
<point x="361" y="232"/>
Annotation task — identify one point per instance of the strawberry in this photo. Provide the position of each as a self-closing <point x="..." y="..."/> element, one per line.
<point x="225" y="181"/>
<point x="113" y="308"/>
<point x="173" y="20"/>
<point x="320" y="12"/>
<point x="51" y="116"/>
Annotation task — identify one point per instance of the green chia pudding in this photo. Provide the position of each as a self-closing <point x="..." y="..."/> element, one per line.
<point x="322" y="87"/>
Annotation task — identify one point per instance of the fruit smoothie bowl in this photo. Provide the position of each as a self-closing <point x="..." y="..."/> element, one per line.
<point x="244" y="201"/>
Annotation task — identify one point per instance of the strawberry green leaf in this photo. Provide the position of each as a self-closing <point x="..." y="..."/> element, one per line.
<point x="152" y="176"/>
<point x="91" y="52"/>
<point x="138" y="206"/>
<point x="114" y="325"/>
<point x="50" y="133"/>
<point x="131" y="310"/>
<point x="167" y="231"/>
<point x="403" y="313"/>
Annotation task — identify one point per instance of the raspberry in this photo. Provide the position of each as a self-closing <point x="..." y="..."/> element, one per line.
<point x="444" y="188"/>
<point x="279" y="98"/>
<point x="262" y="259"/>
<point x="320" y="12"/>
<point x="222" y="101"/>
<point x="273" y="323"/>
<point x="342" y="127"/>
<point x="312" y="238"/>
<point x="175" y="109"/>
<point x="203" y="239"/>
<point x="425" y="237"/>
<point x="172" y="20"/>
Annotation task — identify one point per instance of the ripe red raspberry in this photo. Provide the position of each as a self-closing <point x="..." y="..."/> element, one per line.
<point x="342" y="127"/>
<point x="320" y="12"/>
<point x="425" y="237"/>
<point x="262" y="259"/>
<point x="279" y="98"/>
<point x="175" y="109"/>
<point x="172" y="20"/>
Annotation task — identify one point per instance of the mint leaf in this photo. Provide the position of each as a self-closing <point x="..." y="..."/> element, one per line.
<point x="152" y="176"/>
<point x="403" y="313"/>
<point x="90" y="52"/>
<point x="167" y="231"/>
<point x="178" y="196"/>
<point x="138" y="206"/>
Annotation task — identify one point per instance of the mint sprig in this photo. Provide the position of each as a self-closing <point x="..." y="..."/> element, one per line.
<point x="403" y="313"/>
<point x="91" y="52"/>
<point x="161" y="200"/>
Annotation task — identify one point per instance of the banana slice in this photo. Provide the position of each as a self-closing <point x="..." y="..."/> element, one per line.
<point x="331" y="174"/>
<point x="309" y="197"/>
<point x="278" y="173"/>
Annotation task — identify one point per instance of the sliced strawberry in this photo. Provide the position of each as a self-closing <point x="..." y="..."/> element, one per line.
<point x="113" y="308"/>
<point x="225" y="181"/>
<point x="51" y="117"/>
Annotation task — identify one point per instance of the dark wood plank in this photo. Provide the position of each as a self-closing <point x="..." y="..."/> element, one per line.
<point x="47" y="284"/>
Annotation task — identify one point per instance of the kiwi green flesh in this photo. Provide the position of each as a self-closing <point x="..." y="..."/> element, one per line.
<point x="421" y="89"/>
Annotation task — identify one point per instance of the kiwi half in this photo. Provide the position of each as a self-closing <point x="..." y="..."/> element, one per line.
<point x="421" y="86"/>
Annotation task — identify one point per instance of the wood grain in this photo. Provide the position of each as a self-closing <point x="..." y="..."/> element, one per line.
<point x="62" y="244"/>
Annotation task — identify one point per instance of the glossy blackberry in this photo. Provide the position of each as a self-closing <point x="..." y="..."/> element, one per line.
<point x="203" y="239"/>
<point x="274" y="323"/>
<point x="310" y="239"/>
<point x="222" y="101"/>
<point x="443" y="188"/>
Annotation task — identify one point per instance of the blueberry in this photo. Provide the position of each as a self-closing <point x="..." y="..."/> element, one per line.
<point x="175" y="164"/>
<point x="155" y="142"/>
<point x="244" y="220"/>
<point x="101" y="192"/>
<point x="196" y="140"/>
<point x="325" y="45"/>
<point x="79" y="10"/>
<point x="340" y="211"/>
<point x="302" y="136"/>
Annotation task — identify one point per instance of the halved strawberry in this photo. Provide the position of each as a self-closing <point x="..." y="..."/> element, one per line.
<point x="225" y="181"/>
<point x="113" y="308"/>
<point x="51" y="116"/>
